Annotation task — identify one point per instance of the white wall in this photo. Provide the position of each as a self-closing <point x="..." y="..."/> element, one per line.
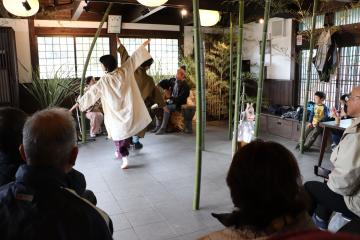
<point x="280" y="53"/>
<point x="280" y="50"/>
<point x="21" y="29"/>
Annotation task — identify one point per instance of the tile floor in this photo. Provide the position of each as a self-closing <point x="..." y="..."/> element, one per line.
<point x="152" y="200"/>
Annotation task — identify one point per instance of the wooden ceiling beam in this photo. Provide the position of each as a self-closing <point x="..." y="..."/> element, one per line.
<point x="68" y="6"/>
<point x="78" y="10"/>
<point x="139" y="15"/>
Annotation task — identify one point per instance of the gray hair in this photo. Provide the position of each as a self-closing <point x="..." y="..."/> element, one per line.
<point x="48" y="137"/>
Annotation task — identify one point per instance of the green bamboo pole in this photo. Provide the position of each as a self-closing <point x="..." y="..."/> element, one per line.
<point x="198" y="152"/>
<point x="306" y="98"/>
<point x="231" y="112"/>
<point x="82" y="83"/>
<point x="238" y="75"/>
<point x="261" y="69"/>
<point x="203" y="98"/>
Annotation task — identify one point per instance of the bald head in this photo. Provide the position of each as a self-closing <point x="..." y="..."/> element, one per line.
<point x="49" y="139"/>
<point x="353" y="104"/>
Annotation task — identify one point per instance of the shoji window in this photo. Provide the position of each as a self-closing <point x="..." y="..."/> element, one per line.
<point x="166" y="56"/>
<point x="348" y="76"/>
<point x="349" y="69"/>
<point x="348" y="16"/>
<point x="66" y="55"/>
<point x="165" y="53"/>
<point x="305" y="24"/>
<point x="102" y="47"/>
<point x="56" y="54"/>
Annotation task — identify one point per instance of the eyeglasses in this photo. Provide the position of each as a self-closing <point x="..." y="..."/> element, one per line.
<point x="352" y="98"/>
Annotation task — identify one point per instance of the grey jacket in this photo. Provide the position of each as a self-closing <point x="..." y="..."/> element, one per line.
<point x="345" y="178"/>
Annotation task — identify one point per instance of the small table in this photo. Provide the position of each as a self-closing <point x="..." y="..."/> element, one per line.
<point x="328" y="126"/>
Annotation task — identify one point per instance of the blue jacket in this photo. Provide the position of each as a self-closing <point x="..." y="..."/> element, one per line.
<point x="9" y="164"/>
<point x="38" y="206"/>
<point x="326" y="114"/>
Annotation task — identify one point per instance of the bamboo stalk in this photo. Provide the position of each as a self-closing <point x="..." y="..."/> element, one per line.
<point x="203" y="98"/>
<point x="198" y="152"/>
<point x="82" y="83"/>
<point x="238" y="76"/>
<point x="306" y="98"/>
<point x="231" y="78"/>
<point x="262" y="69"/>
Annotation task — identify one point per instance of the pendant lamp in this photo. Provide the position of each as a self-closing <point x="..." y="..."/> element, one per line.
<point x="152" y="3"/>
<point x="22" y="8"/>
<point x="209" y="17"/>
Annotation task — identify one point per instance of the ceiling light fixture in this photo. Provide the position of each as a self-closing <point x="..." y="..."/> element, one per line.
<point x="22" y="8"/>
<point x="152" y="3"/>
<point x="209" y="17"/>
<point x="184" y="12"/>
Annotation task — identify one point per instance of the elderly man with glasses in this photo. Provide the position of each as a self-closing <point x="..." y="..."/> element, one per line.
<point x="342" y="191"/>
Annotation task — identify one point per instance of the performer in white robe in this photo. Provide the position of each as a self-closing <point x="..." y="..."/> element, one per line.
<point x="125" y="113"/>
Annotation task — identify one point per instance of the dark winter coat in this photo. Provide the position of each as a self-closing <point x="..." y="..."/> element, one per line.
<point x="183" y="92"/>
<point x="39" y="206"/>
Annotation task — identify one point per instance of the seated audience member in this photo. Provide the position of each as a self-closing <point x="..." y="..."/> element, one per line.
<point x="319" y="113"/>
<point x="39" y="205"/>
<point x="316" y="235"/>
<point x="341" y="112"/>
<point x="94" y="114"/>
<point x="12" y="121"/>
<point x="180" y="91"/>
<point x="266" y="189"/>
<point x="342" y="191"/>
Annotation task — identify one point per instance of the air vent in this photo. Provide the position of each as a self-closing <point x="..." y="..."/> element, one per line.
<point x="278" y="28"/>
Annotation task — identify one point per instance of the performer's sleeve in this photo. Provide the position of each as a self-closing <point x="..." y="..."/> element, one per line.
<point x="91" y="96"/>
<point x="124" y="56"/>
<point x="139" y="56"/>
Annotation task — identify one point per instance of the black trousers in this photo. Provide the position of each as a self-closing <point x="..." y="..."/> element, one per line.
<point x="325" y="201"/>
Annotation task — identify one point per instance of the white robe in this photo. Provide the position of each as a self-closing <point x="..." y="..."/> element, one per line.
<point x="125" y="113"/>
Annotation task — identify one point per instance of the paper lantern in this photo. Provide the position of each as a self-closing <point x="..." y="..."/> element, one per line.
<point x="209" y="17"/>
<point x="152" y="3"/>
<point x="22" y="8"/>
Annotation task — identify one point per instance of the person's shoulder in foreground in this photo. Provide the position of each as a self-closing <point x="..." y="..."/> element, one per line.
<point x="38" y="204"/>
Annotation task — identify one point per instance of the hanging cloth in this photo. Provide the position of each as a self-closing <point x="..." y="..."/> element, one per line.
<point x="324" y="43"/>
<point x="325" y="60"/>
